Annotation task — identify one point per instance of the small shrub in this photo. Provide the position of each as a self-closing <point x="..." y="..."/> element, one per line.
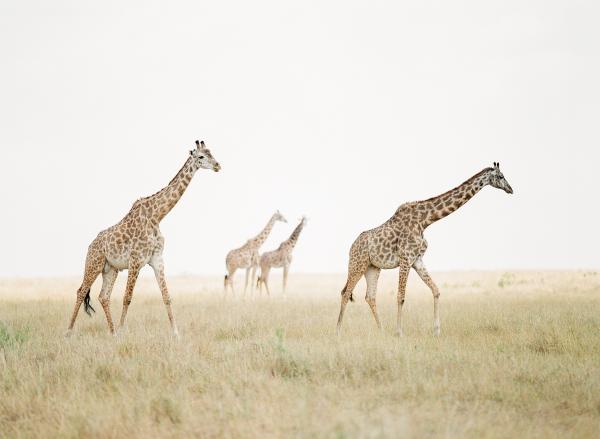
<point x="285" y="366"/>
<point x="490" y="328"/>
<point x="237" y="333"/>
<point x="127" y="350"/>
<point x="506" y="280"/>
<point x="546" y="343"/>
<point x="10" y="338"/>
<point x="104" y="373"/>
<point x="164" y="408"/>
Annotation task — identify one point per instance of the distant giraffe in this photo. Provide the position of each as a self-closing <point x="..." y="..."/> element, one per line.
<point x="282" y="257"/>
<point x="399" y="242"/>
<point x="247" y="255"/>
<point x="136" y="241"/>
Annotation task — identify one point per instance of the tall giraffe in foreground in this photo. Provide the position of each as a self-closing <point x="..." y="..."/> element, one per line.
<point x="281" y="257"/>
<point x="247" y="255"/>
<point x="399" y="242"/>
<point x="136" y="241"/>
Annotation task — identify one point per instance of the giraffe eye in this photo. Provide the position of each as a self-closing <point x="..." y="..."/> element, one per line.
<point x="201" y="157"/>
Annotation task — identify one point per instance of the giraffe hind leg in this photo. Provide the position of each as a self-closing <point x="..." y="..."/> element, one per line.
<point x="358" y="264"/>
<point x="353" y="279"/>
<point x="372" y="276"/>
<point x="94" y="263"/>
<point x="109" y="275"/>
<point x="265" y="280"/>
<point x="229" y="282"/>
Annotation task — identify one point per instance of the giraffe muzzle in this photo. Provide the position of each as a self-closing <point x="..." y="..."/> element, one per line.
<point x="217" y="168"/>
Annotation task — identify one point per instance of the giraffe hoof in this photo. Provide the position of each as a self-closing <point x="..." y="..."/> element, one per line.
<point x="399" y="334"/>
<point x="436" y="331"/>
<point x="68" y="333"/>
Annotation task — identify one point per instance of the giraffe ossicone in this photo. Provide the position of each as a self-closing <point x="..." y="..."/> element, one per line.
<point x="136" y="241"/>
<point x="399" y="243"/>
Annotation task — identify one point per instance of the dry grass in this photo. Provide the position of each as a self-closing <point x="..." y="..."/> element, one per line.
<point x="519" y="356"/>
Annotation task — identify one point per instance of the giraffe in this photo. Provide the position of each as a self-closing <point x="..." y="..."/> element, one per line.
<point x="247" y="255"/>
<point x="136" y="241"/>
<point x="281" y="257"/>
<point x="399" y="243"/>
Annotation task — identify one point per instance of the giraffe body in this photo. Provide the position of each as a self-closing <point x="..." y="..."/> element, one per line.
<point x="247" y="256"/>
<point x="136" y="241"/>
<point x="399" y="243"/>
<point x="279" y="258"/>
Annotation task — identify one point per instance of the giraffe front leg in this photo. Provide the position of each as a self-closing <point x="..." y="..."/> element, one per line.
<point x="286" y="269"/>
<point x="158" y="266"/>
<point x="253" y="279"/>
<point x="133" y="272"/>
<point x="246" y="281"/>
<point x="402" y="278"/>
<point x="109" y="275"/>
<point x="231" y="283"/>
<point x="424" y="275"/>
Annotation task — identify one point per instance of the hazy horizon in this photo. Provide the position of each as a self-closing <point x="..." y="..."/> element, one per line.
<point x="338" y="110"/>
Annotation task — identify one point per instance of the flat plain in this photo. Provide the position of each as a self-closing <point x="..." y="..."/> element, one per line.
<point x="519" y="356"/>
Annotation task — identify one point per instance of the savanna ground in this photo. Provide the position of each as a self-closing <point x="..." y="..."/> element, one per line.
<point x="519" y="356"/>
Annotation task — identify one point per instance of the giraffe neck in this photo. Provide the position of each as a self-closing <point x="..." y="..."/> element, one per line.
<point x="293" y="239"/>
<point x="164" y="200"/>
<point x="259" y="239"/>
<point x="443" y="205"/>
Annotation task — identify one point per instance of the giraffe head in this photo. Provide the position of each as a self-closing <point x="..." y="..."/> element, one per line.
<point x="498" y="180"/>
<point x="279" y="217"/>
<point x="202" y="158"/>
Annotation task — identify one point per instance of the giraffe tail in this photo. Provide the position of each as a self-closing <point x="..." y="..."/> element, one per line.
<point x="225" y="280"/>
<point x="87" y="306"/>
<point x="344" y="292"/>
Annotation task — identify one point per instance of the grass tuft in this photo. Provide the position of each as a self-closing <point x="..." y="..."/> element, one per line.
<point x="11" y="337"/>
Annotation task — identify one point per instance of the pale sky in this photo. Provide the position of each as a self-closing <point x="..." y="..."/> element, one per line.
<point x="337" y="110"/>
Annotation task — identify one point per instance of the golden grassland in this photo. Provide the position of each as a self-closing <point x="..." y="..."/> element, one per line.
<point x="519" y="356"/>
